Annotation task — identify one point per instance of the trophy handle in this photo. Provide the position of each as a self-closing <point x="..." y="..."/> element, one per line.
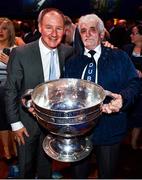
<point x="26" y="98"/>
<point x="109" y="93"/>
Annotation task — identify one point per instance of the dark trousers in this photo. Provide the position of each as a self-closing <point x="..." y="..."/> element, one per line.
<point x="81" y="169"/>
<point x="3" y="119"/>
<point x="107" y="159"/>
<point x="33" y="161"/>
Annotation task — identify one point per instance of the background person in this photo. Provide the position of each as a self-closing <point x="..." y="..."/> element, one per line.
<point x="72" y="36"/>
<point x="7" y="42"/>
<point x="134" y="50"/>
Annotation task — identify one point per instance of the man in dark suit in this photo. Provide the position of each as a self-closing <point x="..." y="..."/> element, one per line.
<point x="29" y="66"/>
<point x="114" y="71"/>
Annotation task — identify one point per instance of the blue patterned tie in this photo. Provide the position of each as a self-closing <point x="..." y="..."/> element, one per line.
<point x="90" y="73"/>
<point x="52" y="70"/>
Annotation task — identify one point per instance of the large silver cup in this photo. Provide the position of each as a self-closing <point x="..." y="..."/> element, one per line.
<point x="69" y="109"/>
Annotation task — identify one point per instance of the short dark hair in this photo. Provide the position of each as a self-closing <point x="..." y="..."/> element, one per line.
<point x="47" y="10"/>
<point x="67" y="21"/>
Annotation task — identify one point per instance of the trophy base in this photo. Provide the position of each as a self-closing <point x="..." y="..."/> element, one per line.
<point x="67" y="149"/>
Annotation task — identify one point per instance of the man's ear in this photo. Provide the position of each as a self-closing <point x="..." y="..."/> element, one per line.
<point x="102" y="35"/>
<point x="39" y="27"/>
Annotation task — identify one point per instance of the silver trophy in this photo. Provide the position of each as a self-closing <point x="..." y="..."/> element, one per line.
<point x="69" y="109"/>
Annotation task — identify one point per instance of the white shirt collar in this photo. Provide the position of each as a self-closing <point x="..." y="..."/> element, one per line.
<point x="97" y="50"/>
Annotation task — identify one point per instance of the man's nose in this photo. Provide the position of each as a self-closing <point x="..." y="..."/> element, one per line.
<point x="88" y="32"/>
<point x="54" y="32"/>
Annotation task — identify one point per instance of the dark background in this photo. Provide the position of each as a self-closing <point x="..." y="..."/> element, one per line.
<point x="22" y="9"/>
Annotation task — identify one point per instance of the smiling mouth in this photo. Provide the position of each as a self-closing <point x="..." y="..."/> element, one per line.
<point x="89" y="40"/>
<point x="53" y="39"/>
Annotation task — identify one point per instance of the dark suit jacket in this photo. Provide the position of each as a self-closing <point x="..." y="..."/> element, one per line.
<point x="25" y="72"/>
<point x="117" y="74"/>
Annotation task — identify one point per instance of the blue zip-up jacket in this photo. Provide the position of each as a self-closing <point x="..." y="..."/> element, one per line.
<point x="117" y="74"/>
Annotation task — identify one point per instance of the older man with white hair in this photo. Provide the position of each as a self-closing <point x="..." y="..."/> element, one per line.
<point x="114" y="71"/>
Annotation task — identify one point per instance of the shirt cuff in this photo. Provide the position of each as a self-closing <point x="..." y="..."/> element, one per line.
<point x="16" y="126"/>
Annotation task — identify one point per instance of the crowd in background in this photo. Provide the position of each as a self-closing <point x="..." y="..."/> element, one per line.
<point x="123" y="34"/>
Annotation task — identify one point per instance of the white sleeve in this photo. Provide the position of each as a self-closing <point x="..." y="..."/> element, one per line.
<point x="16" y="126"/>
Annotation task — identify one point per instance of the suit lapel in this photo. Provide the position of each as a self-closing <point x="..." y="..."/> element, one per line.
<point x="61" y="55"/>
<point x="103" y="65"/>
<point x="37" y="61"/>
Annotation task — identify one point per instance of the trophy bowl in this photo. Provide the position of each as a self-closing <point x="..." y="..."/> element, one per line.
<point x="69" y="108"/>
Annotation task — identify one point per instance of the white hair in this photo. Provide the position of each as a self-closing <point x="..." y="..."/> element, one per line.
<point x="97" y="21"/>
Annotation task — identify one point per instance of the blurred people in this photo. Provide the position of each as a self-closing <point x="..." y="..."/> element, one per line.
<point x="109" y="24"/>
<point x="119" y="35"/>
<point x="29" y="65"/>
<point x="69" y="31"/>
<point x="25" y="29"/>
<point x="29" y="31"/>
<point x="19" y="41"/>
<point x="114" y="71"/>
<point x="7" y="42"/>
<point x="134" y="50"/>
<point x="72" y="36"/>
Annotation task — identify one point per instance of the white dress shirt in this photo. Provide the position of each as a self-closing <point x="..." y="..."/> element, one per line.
<point x="45" y="56"/>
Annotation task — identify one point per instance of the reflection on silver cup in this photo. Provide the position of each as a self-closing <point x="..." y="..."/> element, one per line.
<point x="69" y="109"/>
